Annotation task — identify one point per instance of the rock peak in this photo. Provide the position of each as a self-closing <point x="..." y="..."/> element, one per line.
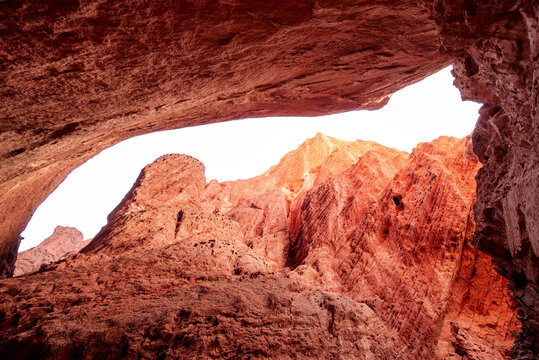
<point x="63" y="242"/>
<point x="367" y="244"/>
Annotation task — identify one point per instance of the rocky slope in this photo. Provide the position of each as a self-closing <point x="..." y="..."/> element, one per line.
<point x="498" y="65"/>
<point x="63" y="242"/>
<point x="77" y="77"/>
<point x="342" y="250"/>
<point x="403" y="247"/>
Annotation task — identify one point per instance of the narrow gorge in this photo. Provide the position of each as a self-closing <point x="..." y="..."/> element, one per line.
<point x="343" y="249"/>
<point x="77" y="77"/>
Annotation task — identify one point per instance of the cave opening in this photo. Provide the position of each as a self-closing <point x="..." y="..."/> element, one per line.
<point x="243" y="149"/>
<point x="78" y="79"/>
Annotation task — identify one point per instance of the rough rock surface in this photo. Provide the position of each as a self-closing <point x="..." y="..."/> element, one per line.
<point x="161" y="199"/>
<point x="499" y="67"/>
<point x="63" y="242"/>
<point x="395" y="234"/>
<point x="77" y="77"/>
<point x="262" y="205"/>
<point x="375" y="264"/>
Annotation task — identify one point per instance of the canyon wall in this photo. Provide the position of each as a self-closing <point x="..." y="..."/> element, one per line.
<point x="77" y="77"/>
<point x="343" y="249"/>
<point x="499" y="67"/>
<point x="397" y="236"/>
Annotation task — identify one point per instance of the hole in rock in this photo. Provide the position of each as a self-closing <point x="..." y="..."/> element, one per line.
<point x="246" y="148"/>
<point x="179" y="218"/>
<point x="69" y="128"/>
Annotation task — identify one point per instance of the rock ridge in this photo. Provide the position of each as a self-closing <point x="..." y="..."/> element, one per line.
<point x="369" y="257"/>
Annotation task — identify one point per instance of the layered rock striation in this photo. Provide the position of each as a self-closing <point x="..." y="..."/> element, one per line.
<point x="396" y="234"/>
<point x="499" y="67"/>
<point x="342" y="250"/>
<point x="63" y="242"/>
<point x="78" y="77"/>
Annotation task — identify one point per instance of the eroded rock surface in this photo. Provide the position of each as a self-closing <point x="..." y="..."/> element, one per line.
<point x="500" y="68"/>
<point x="78" y="77"/>
<point x="63" y="242"/>
<point x="342" y="250"/>
<point x="395" y="233"/>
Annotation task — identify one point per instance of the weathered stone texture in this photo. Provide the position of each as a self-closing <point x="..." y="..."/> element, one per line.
<point x="499" y="67"/>
<point x="77" y="77"/>
<point x="342" y="250"/>
<point x="63" y="242"/>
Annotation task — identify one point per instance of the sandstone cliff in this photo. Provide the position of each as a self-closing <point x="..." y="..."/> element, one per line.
<point x="402" y="246"/>
<point x="63" y="242"/>
<point x="342" y="250"/>
<point x="77" y="77"/>
<point x="498" y="65"/>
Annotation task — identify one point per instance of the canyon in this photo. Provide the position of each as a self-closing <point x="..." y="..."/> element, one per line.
<point x="341" y="250"/>
<point x="80" y="76"/>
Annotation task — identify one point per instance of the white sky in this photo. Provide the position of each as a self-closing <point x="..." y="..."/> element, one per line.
<point x="243" y="149"/>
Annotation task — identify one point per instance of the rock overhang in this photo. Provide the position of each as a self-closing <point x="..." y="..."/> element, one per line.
<point x="79" y="77"/>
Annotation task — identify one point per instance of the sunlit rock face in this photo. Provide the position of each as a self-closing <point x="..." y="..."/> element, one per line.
<point x="499" y="67"/>
<point x="79" y="77"/>
<point x="63" y="242"/>
<point x="394" y="232"/>
<point x="265" y="205"/>
<point x="342" y="250"/>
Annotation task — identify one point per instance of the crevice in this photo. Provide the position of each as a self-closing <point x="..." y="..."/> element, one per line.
<point x="68" y="129"/>
<point x="179" y="218"/>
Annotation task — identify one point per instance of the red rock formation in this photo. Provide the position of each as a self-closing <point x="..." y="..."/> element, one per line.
<point x="163" y="197"/>
<point x="204" y="271"/>
<point x="499" y="66"/>
<point x="231" y="317"/>
<point x="63" y="242"/>
<point x="78" y="77"/>
<point x="268" y="199"/>
<point x="402" y="246"/>
<point x="189" y="286"/>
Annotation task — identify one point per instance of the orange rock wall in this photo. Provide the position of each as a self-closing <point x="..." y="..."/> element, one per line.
<point x="498" y="66"/>
<point x="401" y="243"/>
<point x="369" y="257"/>
<point x="77" y="77"/>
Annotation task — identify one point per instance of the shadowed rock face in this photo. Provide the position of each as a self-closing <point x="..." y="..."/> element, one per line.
<point x="79" y="77"/>
<point x="501" y="70"/>
<point x="342" y="250"/>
